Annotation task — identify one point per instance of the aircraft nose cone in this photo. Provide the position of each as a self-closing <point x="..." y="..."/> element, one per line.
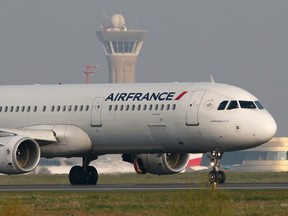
<point x="264" y="127"/>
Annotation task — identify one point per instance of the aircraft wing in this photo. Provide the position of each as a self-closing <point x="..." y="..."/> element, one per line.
<point x="36" y="134"/>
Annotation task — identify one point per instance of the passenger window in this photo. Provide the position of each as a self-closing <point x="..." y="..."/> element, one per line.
<point x="35" y="108"/>
<point x="145" y="107"/>
<point x="11" y="109"/>
<point x="58" y="108"/>
<point x="247" y="105"/>
<point x="28" y="108"/>
<point x="87" y="107"/>
<point x="127" y="107"/>
<point x="133" y="107"/>
<point x="64" y="108"/>
<point x="222" y="105"/>
<point x="81" y="108"/>
<point x="121" y="107"/>
<point x="150" y="107"/>
<point x="259" y="105"/>
<point x="173" y="106"/>
<point x="52" y="108"/>
<point x="17" y="108"/>
<point x="139" y="107"/>
<point x="0" y="108"/>
<point x="115" y="107"/>
<point x="110" y="108"/>
<point x="232" y="105"/>
<point x="162" y="107"/>
<point x="156" y="106"/>
<point x="44" y="108"/>
<point x="75" y="108"/>
<point x="6" y="109"/>
<point x="168" y="107"/>
<point x="23" y="109"/>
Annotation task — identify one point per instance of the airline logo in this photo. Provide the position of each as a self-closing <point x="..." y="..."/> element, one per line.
<point x="138" y="96"/>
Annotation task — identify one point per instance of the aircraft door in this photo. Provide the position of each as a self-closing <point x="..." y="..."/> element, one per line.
<point x="193" y="108"/>
<point x="96" y="112"/>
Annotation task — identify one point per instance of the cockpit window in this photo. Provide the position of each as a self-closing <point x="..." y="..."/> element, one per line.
<point x="222" y="105"/>
<point x="259" y="105"/>
<point x="247" y="104"/>
<point x="243" y="104"/>
<point x="233" y="105"/>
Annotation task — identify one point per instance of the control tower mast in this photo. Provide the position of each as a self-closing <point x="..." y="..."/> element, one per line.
<point x="122" y="47"/>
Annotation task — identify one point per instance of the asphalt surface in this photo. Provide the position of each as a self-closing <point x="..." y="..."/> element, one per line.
<point x="140" y="187"/>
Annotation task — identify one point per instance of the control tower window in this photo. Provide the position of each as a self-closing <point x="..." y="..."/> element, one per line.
<point x="115" y="46"/>
<point x="120" y="46"/>
<point x="233" y="105"/>
<point x="123" y="46"/>
<point x="129" y="46"/>
<point x="108" y="47"/>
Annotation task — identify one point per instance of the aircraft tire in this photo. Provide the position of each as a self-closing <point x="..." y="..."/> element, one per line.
<point x="221" y="177"/>
<point x="212" y="177"/>
<point x="91" y="175"/>
<point x="76" y="175"/>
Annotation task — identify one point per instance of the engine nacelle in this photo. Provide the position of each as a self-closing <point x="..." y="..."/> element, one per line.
<point x="161" y="164"/>
<point x="18" y="154"/>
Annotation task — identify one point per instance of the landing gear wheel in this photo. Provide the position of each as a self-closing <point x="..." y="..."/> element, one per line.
<point x="84" y="174"/>
<point x="91" y="175"/>
<point x="212" y="177"/>
<point x="76" y="175"/>
<point x="221" y="177"/>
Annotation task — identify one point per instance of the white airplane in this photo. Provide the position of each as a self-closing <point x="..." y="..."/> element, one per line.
<point x="154" y="126"/>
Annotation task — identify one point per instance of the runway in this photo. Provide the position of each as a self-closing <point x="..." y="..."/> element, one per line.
<point x="140" y="187"/>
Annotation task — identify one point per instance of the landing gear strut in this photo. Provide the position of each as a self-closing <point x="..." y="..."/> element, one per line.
<point x="216" y="176"/>
<point x="84" y="174"/>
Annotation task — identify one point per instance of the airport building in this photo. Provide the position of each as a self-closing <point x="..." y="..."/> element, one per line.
<point x="269" y="157"/>
<point x="122" y="47"/>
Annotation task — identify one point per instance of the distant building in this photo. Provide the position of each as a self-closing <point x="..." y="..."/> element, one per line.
<point x="271" y="157"/>
<point x="122" y="47"/>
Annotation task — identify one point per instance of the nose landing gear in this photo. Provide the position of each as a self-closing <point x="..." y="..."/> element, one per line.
<point x="216" y="175"/>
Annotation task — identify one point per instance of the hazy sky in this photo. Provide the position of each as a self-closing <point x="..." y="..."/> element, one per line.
<point x="243" y="43"/>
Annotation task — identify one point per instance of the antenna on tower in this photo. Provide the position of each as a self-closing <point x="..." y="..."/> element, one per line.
<point x="105" y="19"/>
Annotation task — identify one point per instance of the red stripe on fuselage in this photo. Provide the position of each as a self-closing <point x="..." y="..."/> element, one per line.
<point x="181" y="95"/>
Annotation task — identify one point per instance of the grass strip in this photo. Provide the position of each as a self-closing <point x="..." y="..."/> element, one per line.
<point x="184" y="202"/>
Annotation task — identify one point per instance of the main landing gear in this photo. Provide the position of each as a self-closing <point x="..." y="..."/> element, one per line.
<point x="216" y="176"/>
<point x="85" y="174"/>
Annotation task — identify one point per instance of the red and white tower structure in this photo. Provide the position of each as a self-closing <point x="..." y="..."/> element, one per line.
<point x="88" y="73"/>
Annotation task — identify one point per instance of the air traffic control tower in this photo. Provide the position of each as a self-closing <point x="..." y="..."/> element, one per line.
<point x="122" y="47"/>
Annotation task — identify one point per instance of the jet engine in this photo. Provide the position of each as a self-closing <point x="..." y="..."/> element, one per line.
<point x="161" y="164"/>
<point x="18" y="154"/>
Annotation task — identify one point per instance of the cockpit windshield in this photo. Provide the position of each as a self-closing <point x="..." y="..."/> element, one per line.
<point x="222" y="105"/>
<point x="259" y="105"/>
<point x="233" y="105"/>
<point x="230" y="105"/>
<point x="247" y="104"/>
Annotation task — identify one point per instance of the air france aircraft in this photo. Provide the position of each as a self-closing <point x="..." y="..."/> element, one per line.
<point x="153" y="126"/>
